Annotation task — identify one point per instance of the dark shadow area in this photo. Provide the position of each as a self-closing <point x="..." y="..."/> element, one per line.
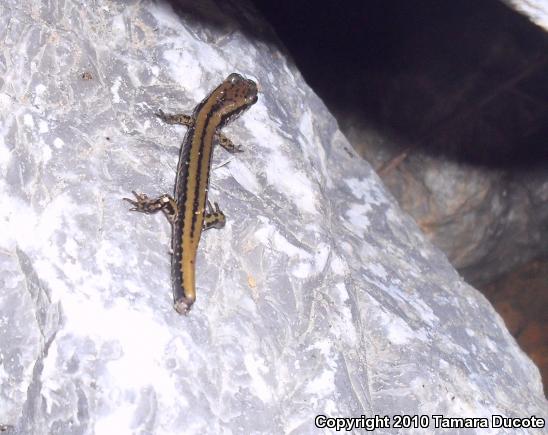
<point x="463" y="79"/>
<point x="227" y="17"/>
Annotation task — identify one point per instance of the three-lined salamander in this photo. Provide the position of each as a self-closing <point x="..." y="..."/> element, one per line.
<point x="186" y="211"/>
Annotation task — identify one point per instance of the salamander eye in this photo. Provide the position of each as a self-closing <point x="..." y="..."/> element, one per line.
<point x="234" y="78"/>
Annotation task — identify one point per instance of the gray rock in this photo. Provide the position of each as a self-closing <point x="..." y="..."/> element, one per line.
<point x="487" y="221"/>
<point x="536" y="10"/>
<point x="319" y="296"/>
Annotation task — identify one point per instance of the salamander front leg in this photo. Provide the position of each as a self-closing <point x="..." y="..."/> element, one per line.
<point x="227" y="144"/>
<point x="213" y="218"/>
<point x="188" y="121"/>
<point x="175" y="118"/>
<point x="144" y="204"/>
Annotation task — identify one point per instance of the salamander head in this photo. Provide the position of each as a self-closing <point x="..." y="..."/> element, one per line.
<point x="233" y="96"/>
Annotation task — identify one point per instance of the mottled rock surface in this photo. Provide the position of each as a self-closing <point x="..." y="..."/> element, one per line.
<point x="319" y="296"/>
<point x="486" y="220"/>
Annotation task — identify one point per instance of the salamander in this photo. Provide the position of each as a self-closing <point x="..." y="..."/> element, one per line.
<point x="189" y="210"/>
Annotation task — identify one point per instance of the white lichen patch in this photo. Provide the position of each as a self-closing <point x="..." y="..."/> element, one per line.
<point x="115" y="90"/>
<point x="366" y="190"/>
<point x="58" y="143"/>
<point x="357" y="217"/>
<point x="244" y="176"/>
<point x="257" y="369"/>
<point x="289" y="181"/>
<point x="28" y="120"/>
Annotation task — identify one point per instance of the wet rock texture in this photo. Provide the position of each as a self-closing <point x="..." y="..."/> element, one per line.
<point x="521" y="298"/>
<point x="487" y="221"/>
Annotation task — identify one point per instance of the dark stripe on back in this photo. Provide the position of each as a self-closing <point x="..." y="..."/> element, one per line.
<point x="205" y="129"/>
<point x="181" y="181"/>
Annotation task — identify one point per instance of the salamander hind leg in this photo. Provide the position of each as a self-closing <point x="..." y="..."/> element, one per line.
<point x="144" y="204"/>
<point x="214" y="218"/>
